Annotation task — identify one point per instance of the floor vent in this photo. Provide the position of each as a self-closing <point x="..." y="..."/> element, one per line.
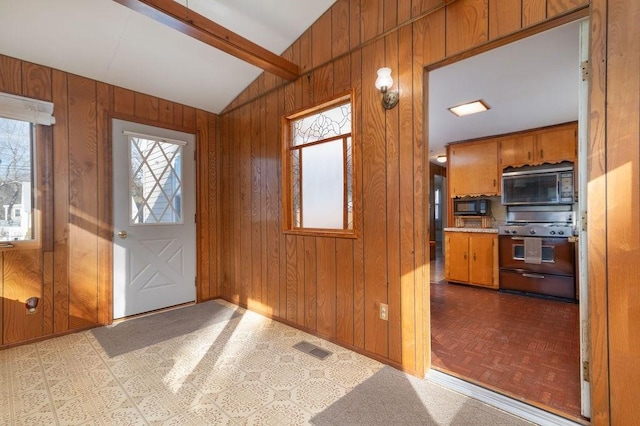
<point x="312" y="350"/>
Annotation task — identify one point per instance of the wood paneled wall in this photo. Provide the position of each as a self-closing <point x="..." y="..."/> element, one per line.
<point x="333" y="286"/>
<point x="614" y="202"/>
<point x="71" y="274"/>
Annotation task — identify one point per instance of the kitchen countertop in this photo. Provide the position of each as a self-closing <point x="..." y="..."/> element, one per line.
<point x="478" y="230"/>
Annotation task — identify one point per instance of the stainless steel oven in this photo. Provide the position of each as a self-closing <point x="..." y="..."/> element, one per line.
<point x="551" y="271"/>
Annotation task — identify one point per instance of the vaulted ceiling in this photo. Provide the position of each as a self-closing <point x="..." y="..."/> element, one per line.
<point x="108" y="42"/>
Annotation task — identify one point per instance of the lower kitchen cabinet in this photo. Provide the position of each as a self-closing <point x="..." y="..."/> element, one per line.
<point x="472" y="258"/>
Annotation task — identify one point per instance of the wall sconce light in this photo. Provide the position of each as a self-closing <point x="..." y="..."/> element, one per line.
<point x="441" y="158"/>
<point x="383" y="84"/>
<point x="31" y="304"/>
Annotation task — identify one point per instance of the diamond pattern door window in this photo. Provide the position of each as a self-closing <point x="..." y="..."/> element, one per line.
<point x="155" y="180"/>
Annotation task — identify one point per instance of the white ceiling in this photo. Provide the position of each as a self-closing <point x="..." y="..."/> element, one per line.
<point x="108" y="42"/>
<point x="530" y="83"/>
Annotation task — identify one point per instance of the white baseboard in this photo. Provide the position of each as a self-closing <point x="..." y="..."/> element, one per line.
<point x="504" y="403"/>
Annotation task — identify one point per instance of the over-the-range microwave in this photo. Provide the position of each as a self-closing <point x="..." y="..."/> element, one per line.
<point x="538" y="185"/>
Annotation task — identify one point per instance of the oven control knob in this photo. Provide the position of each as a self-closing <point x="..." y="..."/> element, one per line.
<point x="560" y="232"/>
<point x="553" y="232"/>
<point x="533" y="231"/>
<point x="513" y="231"/>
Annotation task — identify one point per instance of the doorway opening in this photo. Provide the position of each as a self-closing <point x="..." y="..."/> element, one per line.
<point x="521" y="345"/>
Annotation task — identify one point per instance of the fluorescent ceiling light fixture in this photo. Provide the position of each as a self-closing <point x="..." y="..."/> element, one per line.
<point x="441" y="158"/>
<point x="469" y="108"/>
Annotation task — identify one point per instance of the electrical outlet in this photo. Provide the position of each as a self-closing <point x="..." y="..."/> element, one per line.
<point x="384" y="311"/>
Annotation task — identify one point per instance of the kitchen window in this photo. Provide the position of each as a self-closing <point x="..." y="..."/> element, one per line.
<point x="318" y="165"/>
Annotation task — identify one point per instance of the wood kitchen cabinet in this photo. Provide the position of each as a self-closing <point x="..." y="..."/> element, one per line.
<point x="473" y="169"/>
<point x="549" y="145"/>
<point x="472" y="258"/>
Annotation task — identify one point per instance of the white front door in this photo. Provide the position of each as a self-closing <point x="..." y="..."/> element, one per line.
<point x="153" y="218"/>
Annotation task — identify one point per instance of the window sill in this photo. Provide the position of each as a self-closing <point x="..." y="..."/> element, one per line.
<point x="310" y="232"/>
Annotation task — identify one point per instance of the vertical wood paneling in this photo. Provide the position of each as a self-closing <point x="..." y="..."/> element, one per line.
<point x="323" y="83"/>
<point x="306" y="54"/>
<point x="344" y="290"/>
<point x="393" y="207"/>
<point x="371" y="19"/>
<point x="36" y="81"/>
<point x="244" y="173"/>
<point x="310" y="283"/>
<point x="358" y="247"/>
<point x="226" y="219"/>
<point x="22" y="278"/>
<point x="374" y="194"/>
<point x="421" y="6"/>
<point x="211" y="205"/>
<point x="623" y="206"/>
<point x="556" y="7"/>
<point x="237" y="204"/>
<point x="146" y="106"/>
<point x="83" y="203"/>
<point x="10" y="75"/>
<point x="505" y="16"/>
<point x="321" y="32"/>
<point x="597" y="205"/>
<point x="292" y="278"/>
<point x="204" y="223"/>
<point x="405" y="159"/>
<point x="533" y="11"/>
<point x="44" y="160"/>
<point x="283" y="272"/>
<point x="390" y="14"/>
<point x="467" y="25"/>
<point x="188" y="117"/>
<point x="597" y="208"/>
<point x="342" y="74"/>
<point x="47" y="293"/>
<point x="105" y="205"/>
<point x="123" y="101"/>
<point x="177" y="114"/>
<point x="300" y="280"/>
<point x="256" y="199"/>
<point x="404" y="11"/>
<point x="165" y="112"/>
<point x="326" y="286"/>
<point x="61" y="204"/>
<point x="271" y="185"/>
<point x="339" y="28"/>
<point x="355" y="14"/>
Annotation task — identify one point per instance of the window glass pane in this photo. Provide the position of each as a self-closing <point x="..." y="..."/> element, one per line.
<point x="296" y="188"/>
<point x="324" y="125"/>
<point x="155" y="181"/>
<point x="16" y="180"/>
<point x="323" y="185"/>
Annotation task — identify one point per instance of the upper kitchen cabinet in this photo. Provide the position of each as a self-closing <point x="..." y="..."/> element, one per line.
<point x="548" y="145"/>
<point x="473" y="169"/>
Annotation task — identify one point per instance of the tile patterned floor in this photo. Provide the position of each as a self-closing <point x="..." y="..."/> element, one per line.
<point x="243" y="371"/>
<point x="523" y="346"/>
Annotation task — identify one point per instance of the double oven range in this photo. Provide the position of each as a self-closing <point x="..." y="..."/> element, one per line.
<point x="536" y="252"/>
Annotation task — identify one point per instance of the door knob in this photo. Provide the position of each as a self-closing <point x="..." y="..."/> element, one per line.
<point x="122" y="234"/>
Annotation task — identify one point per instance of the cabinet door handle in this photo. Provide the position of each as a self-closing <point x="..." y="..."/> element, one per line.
<point x="465" y="256"/>
<point x="529" y="155"/>
<point x="542" y="153"/>
<point x="494" y="183"/>
<point x="474" y="257"/>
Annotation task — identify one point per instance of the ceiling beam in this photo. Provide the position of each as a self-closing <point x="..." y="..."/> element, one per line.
<point x="188" y="22"/>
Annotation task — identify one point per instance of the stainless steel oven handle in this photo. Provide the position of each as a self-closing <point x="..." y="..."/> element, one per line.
<point x="517" y="238"/>
<point x="533" y="276"/>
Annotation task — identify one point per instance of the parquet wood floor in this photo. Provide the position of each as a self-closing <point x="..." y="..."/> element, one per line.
<point x="525" y="347"/>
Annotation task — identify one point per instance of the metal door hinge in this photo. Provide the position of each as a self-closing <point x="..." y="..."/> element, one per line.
<point x="583" y="220"/>
<point x="584" y="68"/>
<point x="585" y="371"/>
